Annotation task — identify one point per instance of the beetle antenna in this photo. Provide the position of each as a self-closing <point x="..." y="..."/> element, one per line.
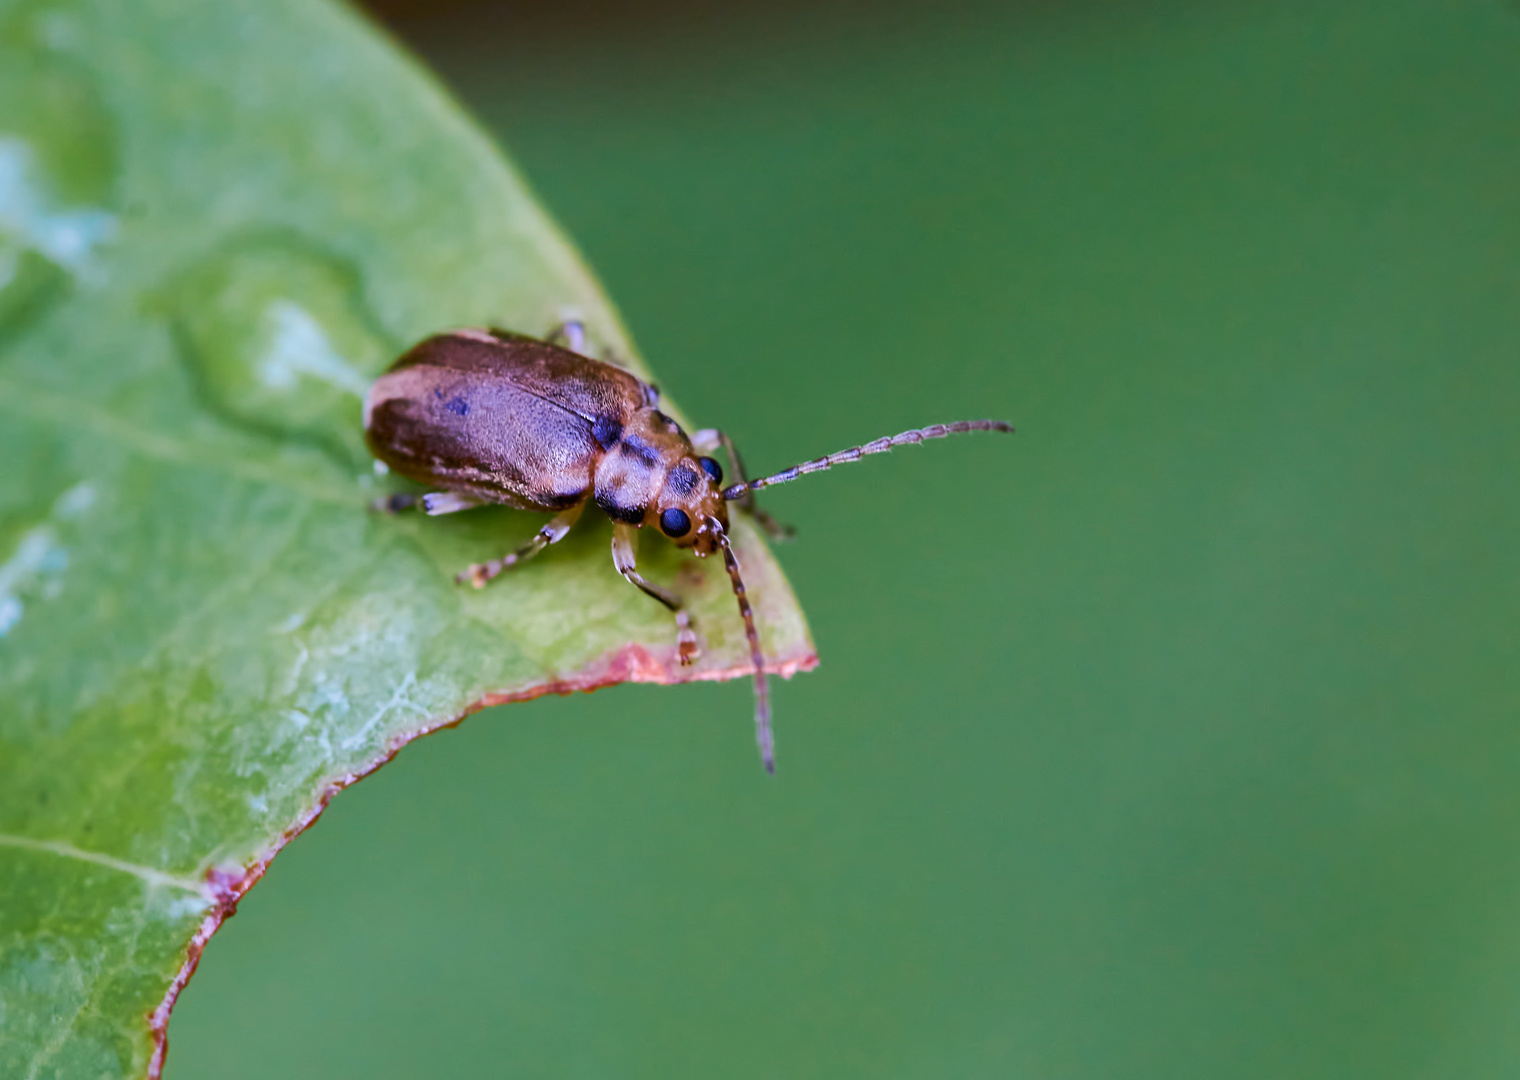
<point x="762" y="688"/>
<point x="855" y="453"/>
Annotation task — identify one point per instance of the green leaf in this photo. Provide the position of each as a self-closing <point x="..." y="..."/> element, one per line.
<point x="217" y="223"/>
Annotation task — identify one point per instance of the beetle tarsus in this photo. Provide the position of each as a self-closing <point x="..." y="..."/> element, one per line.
<point x="686" y="640"/>
<point x="393" y="504"/>
<point x="477" y="574"/>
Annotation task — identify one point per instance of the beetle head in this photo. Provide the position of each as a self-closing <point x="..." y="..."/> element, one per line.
<point x="689" y="508"/>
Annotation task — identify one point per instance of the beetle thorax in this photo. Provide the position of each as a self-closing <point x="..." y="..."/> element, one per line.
<point x="652" y="468"/>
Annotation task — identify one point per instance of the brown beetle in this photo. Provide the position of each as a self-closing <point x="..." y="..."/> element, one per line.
<point x="496" y="417"/>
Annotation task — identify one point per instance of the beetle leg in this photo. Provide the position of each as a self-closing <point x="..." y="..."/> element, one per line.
<point x="448" y="502"/>
<point x="572" y="332"/>
<point x="393" y="503"/>
<point x="433" y="503"/>
<point x="625" y="541"/>
<point x="552" y="532"/>
<point x="708" y="440"/>
<point x="776" y="530"/>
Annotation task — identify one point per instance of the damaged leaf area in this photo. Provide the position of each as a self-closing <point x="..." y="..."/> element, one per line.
<point x="218" y="222"/>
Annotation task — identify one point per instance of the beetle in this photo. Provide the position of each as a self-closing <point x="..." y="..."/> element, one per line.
<point x="492" y="417"/>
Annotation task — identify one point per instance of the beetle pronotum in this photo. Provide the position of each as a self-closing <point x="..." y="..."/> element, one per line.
<point x="491" y="417"/>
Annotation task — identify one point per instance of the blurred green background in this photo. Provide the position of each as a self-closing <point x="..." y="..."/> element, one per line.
<point x="1177" y="735"/>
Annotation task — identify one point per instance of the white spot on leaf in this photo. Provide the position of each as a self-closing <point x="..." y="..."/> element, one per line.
<point x="29" y="217"/>
<point x="19" y="571"/>
<point x="299" y="346"/>
<point x="10" y="613"/>
<point x="60" y="31"/>
<point x="40" y="559"/>
<point x="75" y="501"/>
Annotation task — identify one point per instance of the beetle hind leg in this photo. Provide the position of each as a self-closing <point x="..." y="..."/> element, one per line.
<point x="553" y="531"/>
<point x="624" y="544"/>
<point x="448" y="502"/>
<point x="393" y="503"/>
<point x="432" y="504"/>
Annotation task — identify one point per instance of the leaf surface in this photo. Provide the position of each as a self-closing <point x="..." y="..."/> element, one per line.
<point x="217" y="223"/>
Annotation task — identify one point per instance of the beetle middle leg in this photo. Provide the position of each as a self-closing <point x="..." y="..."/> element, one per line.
<point x="552" y="532"/>
<point x="625" y="540"/>
<point x="709" y="439"/>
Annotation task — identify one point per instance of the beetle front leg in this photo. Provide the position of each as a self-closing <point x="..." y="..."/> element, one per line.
<point x="553" y="532"/>
<point x="709" y="439"/>
<point x="625" y="541"/>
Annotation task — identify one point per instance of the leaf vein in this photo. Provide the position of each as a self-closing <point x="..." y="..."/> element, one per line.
<point x="146" y="873"/>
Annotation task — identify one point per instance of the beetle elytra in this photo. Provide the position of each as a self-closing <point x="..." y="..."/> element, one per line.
<point x="492" y="417"/>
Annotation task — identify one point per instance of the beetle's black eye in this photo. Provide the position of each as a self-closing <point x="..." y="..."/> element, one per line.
<point x="674" y="522"/>
<point x="711" y="468"/>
